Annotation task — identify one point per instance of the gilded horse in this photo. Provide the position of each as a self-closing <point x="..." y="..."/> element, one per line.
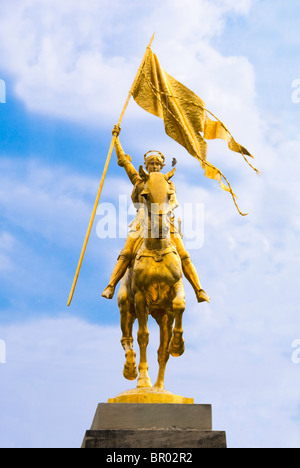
<point x="153" y="286"/>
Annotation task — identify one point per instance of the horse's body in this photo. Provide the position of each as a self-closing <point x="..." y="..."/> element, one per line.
<point x="153" y="286"/>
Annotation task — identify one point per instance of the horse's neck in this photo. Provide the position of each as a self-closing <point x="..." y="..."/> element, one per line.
<point x="157" y="244"/>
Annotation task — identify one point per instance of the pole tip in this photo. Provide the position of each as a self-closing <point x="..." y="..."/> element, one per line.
<point x="152" y="38"/>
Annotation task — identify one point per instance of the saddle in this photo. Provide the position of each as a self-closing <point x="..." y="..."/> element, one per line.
<point x="157" y="255"/>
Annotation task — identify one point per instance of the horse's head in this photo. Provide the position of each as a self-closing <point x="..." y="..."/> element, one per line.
<point x="157" y="194"/>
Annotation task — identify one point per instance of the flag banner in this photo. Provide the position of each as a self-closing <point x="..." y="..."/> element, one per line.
<point x="185" y="117"/>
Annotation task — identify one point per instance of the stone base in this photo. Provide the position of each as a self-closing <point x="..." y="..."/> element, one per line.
<point x="162" y="439"/>
<point x="161" y="425"/>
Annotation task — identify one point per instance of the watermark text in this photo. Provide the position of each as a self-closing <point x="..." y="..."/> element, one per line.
<point x="125" y="219"/>
<point x="2" y="352"/>
<point x="296" y="93"/>
<point x="2" y="92"/>
<point x="296" y="352"/>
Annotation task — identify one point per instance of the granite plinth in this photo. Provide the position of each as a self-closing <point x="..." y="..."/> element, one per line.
<point x="159" y="439"/>
<point x="138" y="425"/>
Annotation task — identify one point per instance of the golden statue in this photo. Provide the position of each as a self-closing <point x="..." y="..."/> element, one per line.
<point x="154" y="162"/>
<point x="151" y="265"/>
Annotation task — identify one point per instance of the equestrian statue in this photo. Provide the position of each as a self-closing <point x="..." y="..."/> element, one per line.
<point x="154" y="259"/>
<point x="150" y="268"/>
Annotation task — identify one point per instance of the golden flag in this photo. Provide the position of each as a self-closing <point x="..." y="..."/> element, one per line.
<point x="185" y="117"/>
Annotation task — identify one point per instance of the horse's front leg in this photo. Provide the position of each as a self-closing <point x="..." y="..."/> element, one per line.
<point x="177" y="347"/>
<point x="143" y="340"/>
<point x="127" y="316"/>
<point x="165" y="321"/>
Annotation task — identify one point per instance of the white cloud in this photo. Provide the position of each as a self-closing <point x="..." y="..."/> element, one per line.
<point x="238" y="355"/>
<point x="6" y="247"/>
<point x="51" y="201"/>
<point x="58" y="370"/>
<point x="56" y="373"/>
<point x="46" y="211"/>
<point x="64" y="65"/>
<point x="238" y="347"/>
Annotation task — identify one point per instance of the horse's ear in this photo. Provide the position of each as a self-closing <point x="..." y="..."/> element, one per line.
<point x="170" y="174"/>
<point x="143" y="174"/>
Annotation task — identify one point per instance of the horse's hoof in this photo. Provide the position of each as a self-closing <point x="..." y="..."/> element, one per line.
<point x="144" y="383"/>
<point x="108" y="292"/>
<point x="176" y="346"/>
<point x="130" y="369"/>
<point x="159" y="386"/>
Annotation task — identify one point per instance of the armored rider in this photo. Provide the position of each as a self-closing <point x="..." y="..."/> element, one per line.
<point x="154" y="162"/>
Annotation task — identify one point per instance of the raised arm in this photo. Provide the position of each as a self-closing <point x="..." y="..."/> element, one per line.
<point x="124" y="160"/>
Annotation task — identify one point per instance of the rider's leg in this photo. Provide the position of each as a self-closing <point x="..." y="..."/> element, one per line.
<point x="125" y="258"/>
<point x="117" y="274"/>
<point x="189" y="270"/>
<point x="191" y="275"/>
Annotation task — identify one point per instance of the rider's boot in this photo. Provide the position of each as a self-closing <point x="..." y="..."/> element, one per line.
<point x="117" y="274"/>
<point x="191" y="275"/>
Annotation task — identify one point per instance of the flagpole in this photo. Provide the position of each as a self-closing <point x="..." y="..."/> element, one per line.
<point x="104" y="174"/>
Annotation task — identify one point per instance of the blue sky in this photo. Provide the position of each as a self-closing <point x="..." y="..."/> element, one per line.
<point x="68" y="68"/>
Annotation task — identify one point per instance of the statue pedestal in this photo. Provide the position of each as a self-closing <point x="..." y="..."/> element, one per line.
<point x="150" y="395"/>
<point x="152" y="425"/>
